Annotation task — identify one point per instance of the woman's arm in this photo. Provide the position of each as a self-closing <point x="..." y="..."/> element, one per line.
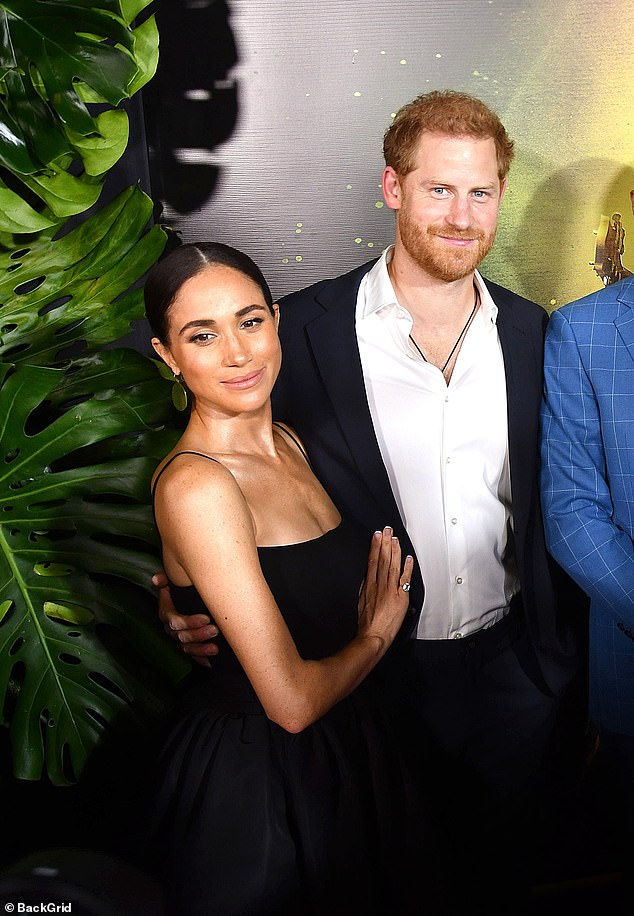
<point x="209" y="540"/>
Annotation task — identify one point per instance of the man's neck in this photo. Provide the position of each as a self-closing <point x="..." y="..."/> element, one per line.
<point x="432" y="302"/>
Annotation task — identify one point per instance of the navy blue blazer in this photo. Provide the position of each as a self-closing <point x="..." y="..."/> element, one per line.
<point x="321" y="394"/>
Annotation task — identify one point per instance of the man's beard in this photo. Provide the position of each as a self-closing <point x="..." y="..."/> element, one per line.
<point x="440" y="260"/>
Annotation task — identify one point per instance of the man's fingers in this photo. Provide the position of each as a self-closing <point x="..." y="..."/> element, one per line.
<point x="198" y="650"/>
<point x="195" y="622"/>
<point x="198" y="635"/>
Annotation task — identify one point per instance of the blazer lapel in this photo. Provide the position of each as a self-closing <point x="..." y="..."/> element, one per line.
<point x="625" y="320"/>
<point x="522" y="368"/>
<point x="333" y="339"/>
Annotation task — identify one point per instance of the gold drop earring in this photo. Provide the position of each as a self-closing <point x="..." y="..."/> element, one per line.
<point x="179" y="393"/>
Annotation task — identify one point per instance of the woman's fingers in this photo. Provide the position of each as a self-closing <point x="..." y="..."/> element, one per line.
<point x="375" y="558"/>
<point x="385" y="555"/>
<point x="395" y="565"/>
<point x="406" y="576"/>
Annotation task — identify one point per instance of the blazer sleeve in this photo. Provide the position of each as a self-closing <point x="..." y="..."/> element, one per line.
<point x="578" y="513"/>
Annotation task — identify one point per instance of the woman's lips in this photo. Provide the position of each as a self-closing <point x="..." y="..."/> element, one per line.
<point x="244" y="381"/>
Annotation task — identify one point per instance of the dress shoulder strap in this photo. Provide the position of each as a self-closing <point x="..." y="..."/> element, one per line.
<point x="287" y="432"/>
<point x="177" y="455"/>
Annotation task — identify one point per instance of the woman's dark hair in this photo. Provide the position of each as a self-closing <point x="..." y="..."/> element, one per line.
<point x="168" y="276"/>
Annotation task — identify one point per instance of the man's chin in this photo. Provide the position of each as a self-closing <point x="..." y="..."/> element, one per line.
<point x="450" y="269"/>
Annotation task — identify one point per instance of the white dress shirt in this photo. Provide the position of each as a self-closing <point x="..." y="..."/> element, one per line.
<point x="445" y="448"/>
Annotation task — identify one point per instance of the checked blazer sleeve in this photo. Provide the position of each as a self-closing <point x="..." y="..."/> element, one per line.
<point x="586" y="463"/>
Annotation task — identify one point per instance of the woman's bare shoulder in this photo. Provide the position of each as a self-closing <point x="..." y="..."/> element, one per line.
<point x="185" y="472"/>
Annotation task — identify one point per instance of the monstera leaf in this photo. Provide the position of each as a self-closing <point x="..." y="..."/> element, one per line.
<point x="57" y="58"/>
<point x="81" y="427"/>
<point x="75" y="288"/>
<point x="70" y="496"/>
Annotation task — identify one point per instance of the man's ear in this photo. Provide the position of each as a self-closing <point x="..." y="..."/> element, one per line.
<point x="392" y="191"/>
<point x="276" y="310"/>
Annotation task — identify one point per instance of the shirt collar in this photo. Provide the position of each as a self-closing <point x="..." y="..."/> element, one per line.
<point x="379" y="292"/>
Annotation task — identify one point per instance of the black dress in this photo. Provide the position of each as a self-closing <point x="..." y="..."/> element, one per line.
<point x="254" y="820"/>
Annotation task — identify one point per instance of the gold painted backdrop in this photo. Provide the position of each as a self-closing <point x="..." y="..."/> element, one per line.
<point x="267" y="118"/>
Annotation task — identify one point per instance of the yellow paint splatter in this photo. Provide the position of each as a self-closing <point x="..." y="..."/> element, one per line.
<point x="379" y="204"/>
<point x="358" y="241"/>
<point x="298" y="258"/>
<point x="403" y="61"/>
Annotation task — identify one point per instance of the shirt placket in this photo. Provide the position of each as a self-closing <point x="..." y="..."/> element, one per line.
<point x="453" y="512"/>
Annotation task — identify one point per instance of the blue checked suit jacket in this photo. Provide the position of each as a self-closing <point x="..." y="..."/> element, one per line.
<point x="588" y="481"/>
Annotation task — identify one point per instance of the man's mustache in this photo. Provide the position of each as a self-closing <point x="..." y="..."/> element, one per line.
<point x="446" y="229"/>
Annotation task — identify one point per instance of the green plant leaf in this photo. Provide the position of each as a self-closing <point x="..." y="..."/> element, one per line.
<point x="54" y="293"/>
<point x="146" y="51"/>
<point x="46" y="36"/>
<point x="80" y="647"/>
<point x="64" y="194"/>
<point x="99" y="152"/>
<point x="16" y="216"/>
<point x="57" y="58"/>
<point x="62" y="521"/>
<point x="130" y="9"/>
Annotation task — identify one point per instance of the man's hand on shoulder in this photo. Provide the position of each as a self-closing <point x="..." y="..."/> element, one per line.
<point x="192" y="631"/>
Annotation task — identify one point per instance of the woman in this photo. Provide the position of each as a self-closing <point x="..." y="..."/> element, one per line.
<point x="280" y="788"/>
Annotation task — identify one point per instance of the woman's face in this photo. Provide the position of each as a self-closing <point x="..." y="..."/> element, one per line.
<point x="223" y="341"/>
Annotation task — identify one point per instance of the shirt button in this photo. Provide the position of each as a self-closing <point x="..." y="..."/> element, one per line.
<point x="448" y="460"/>
<point x="446" y="399"/>
<point x="459" y="580"/>
<point x="457" y="635"/>
<point x="454" y="521"/>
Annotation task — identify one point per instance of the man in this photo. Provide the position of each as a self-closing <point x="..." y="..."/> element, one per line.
<point x="588" y="497"/>
<point x="415" y="387"/>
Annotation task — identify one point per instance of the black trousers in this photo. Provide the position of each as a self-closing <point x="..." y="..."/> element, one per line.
<point x="480" y="723"/>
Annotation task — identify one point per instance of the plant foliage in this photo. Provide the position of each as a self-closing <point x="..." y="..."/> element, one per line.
<point x="82" y="425"/>
<point x="55" y="59"/>
<point x="67" y="500"/>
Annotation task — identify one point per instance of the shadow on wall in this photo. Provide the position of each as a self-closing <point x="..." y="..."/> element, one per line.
<point x="548" y="254"/>
<point x="192" y="103"/>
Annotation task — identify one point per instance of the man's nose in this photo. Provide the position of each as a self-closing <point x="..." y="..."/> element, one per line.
<point x="460" y="212"/>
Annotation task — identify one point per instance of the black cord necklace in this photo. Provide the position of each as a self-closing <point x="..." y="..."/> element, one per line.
<point x="460" y="335"/>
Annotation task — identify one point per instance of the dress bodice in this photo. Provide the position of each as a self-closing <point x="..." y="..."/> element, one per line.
<point x="315" y="584"/>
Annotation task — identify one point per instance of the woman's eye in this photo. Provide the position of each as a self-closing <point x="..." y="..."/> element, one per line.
<point x="251" y="322"/>
<point x="203" y="337"/>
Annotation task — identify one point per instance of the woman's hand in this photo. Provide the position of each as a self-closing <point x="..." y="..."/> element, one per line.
<point x="384" y="596"/>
